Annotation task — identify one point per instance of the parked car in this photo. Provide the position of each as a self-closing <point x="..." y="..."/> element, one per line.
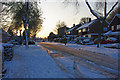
<point x="31" y="42"/>
<point x="103" y="41"/>
<point x="79" y="40"/>
<point x="88" y="41"/>
<point x="112" y="40"/>
<point x="57" y="39"/>
<point x="43" y="40"/>
<point x="71" y="41"/>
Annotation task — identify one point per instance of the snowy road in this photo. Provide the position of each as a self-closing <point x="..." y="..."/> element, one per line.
<point x="87" y="64"/>
<point x="60" y="62"/>
<point x="33" y="63"/>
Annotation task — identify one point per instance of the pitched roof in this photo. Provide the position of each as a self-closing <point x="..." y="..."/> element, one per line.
<point x="2" y="32"/>
<point x="73" y="28"/>
<point x="115" y="20"/>
<point x="118" y="15"/>
<point x="112" y="33"/>
<point x="70" y="29"/>
<point x="87" y="24"/>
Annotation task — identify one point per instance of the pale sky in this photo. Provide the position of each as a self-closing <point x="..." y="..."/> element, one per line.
<point x="55" y="10"/>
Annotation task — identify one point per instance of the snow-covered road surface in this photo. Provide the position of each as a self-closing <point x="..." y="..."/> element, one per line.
<point x="33" y="63"/>
<point x="88" y="64"/>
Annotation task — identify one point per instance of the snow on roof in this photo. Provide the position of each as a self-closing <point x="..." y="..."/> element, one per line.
<point x="2" y="32"/>
<point x="94" y="34"/>
<point x="112" y="33"/>
<point x="118" y="15"/>
<point x="87" y="24"/>
<point x="73" y="28"/>
<point x="70" y="29"/>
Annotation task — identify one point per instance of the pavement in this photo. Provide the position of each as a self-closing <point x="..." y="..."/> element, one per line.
<point x="33" y="63"/>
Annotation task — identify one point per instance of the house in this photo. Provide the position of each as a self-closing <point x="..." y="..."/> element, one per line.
<point x="62" y="31"/>
<point x="114" y="27"/>
<point x="115" y="23"/>
<point x="72" y="30"/>
<point x="91" y="29"/>
<point x="4" y="36"/>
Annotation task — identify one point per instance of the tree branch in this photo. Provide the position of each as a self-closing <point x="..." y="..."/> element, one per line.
<point x="105" y="8"/>
<point x="111" y="9"/>
<point x="92" y="10"/>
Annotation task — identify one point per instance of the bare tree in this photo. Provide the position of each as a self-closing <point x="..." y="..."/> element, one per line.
<point x="113" y="13"/>
<point x="84" y="20"/>
<point x="26" y="14"/>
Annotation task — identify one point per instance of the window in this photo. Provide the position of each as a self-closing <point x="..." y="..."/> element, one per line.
<point x="83" y="35"/>
<point x="69" y="32"/>
<point x="112" y="27"/>
<point x="84" y="30"/>
<point x="118" y="27"/>
<point x="88" y="29"/>
<point x="80" y="31"/>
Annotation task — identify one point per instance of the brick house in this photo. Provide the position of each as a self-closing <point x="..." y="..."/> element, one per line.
<point x="115" y="23"/>
<point x="62" y="31"/>
<point x="114" y="27"/>
<point x="72" y="30"/>
<point x="91" y="29"/>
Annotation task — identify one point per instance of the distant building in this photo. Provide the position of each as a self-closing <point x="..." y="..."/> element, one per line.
<point x="91" y="29"/>
<point x="62" y="31"/>
<point x="72" y="30"/>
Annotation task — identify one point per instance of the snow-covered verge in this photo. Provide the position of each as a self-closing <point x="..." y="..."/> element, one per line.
<point x="108" y="51"/>
<point x="32" y="63"/>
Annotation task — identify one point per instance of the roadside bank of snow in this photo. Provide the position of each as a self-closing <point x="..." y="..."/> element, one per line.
<point x="32" y="63"/>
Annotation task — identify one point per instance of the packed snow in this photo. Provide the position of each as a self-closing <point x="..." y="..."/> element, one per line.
<point x="35" y="62"/>
<point x="79" y="67"/>
<point x="102" y="50"/>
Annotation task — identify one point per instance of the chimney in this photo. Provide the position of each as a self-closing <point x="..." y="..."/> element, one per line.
<point x="89" y="19"/>
<point x="73" y="25"/>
